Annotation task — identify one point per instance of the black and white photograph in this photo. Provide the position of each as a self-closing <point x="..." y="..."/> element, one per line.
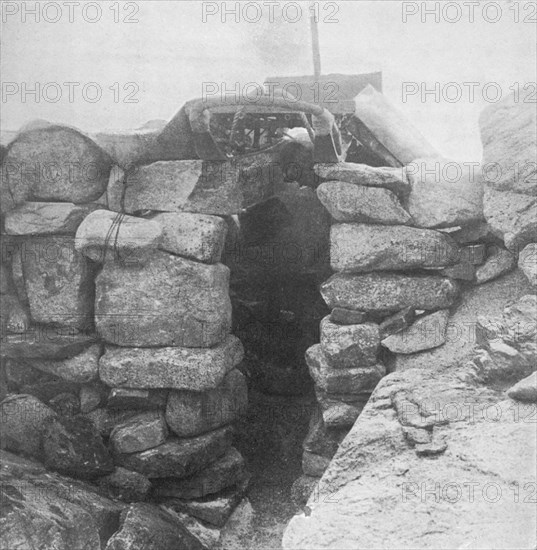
<point x="268" y="275"/>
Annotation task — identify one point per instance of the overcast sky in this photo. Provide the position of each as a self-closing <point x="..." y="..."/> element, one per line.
<point x="170" y="51"/>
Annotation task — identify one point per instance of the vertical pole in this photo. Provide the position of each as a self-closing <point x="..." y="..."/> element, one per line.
<point x="315" y="40"/>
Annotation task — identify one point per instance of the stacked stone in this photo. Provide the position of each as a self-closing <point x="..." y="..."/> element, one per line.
<point x="117" y="339"/>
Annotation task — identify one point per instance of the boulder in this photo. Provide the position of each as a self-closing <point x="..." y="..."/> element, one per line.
<point x="43" y="510"/>
<point x="125" y="485"/>
<point x="525" y="390"/>
<point x="142" y="432"/>
<point x="393" y="179"/>
<point x="179" y="457"/>
<point x="13" y="317"/>
<point x="340" y="410"/>
<point x="225" y="472"/>
<point x="53" y="164"/>
<point x="105" y="235"/>
<point x="350" y="380"/>
<point x="359" y="247"/>
<point x="171" y="301"/>
<point x="59" y="282"/>
<point x="343" y="316"/>
<point x="190" y="413"/>
<point x="194" y="236"/>
<point x="72" y="446"/>
<point x="527" y="263"/>
<point x="387" y="292"/>
<point x="444" y="194"/>
<point x="499" y="261"/>
<point x="105" y="420"/>
<point x="347" y="346"/>
<point x="512" y="217"/>
<point x="146" y="527"/>
<point x="509" y="136"/>
<point x="189" y="369"/>
<point x="22" y="422"/>
<point x="397" y="322"/>
<point x="428" y="331"/>
<point x="349" y="202"/>
<point x="91" y="397"/>
<point x="46" y="218"/>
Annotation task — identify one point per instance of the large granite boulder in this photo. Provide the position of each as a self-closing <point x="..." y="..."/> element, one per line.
<point x="53" y="164"/>
<point x="387" y="292"/>
<point x="509" y="136"/>
<point x="444" y="193"/>
<point x="191" y="369"/>
<point x="359" y="247"/>
<point x="171" y="301"/>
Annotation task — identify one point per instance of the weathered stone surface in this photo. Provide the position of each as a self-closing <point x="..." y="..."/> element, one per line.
<point x="498" y="262"/>
<point x="178" y="368"/>
<point x="91" y="397"/>
<point x="393" y="179"/>
<point x="464" y="271"/>
<point x="349" y="202"/>
<point x="13" y="317"/>
<point x="144" y="431"/>
<point x="349" y="345"/>
<point x="527" y="262"/>
<point x="72" y="446"/>
<point x="224" y="472"/>
<point x="105" y="235"/>
<point x="53" y="164"/>
<point x="43" y="510"/>
<point x="146" y="527"/>
<point x="171" y="301"/>
<point x="207" y="535"/>
<point x="350" y="380"/>
<point x="509" y="136"/>
<point x="512" y="217"/>
<point x="473" y="254"/>
<point x="6" y="283"/>
<point x="81" y="368"/>
<point x="179" y="457"/>
<point x="240" y="528"/>
<point x="397" y="322"/>
<point x="429" y="331"/>
<point x="386" y="292"/>
<point x="65" y="404"/>
<point x="195" y="236"/>
<point x="358" y="248"/>
<point x="444" y="193"/>
<point x="46" y="218"/>
<point x="45" y="342"/>
<point x="302" y="489"/>
<point x="313" y="464"/>
<point x="376" y="467"/>
<point x="340" y="410"/>
<point x="105" y="419"/>
<point x="343" y="316"/>
<point x="59" y="282"/>
<point x="472" y="233"/>
<point x="125" y="485"/>
<point x="185" y="186"/>
<point x="525" y="390"/>
<point x="322" y="440"/>
<point x="191" y="413"/>
<point x="129" y="398"/>
<point x="22" y="422"/>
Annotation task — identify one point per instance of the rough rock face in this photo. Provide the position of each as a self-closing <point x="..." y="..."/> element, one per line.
<point x="46" y="218"/>
<point x="349" y="345"/>
<point x="177" y="368"/>
<point x="13" y="317"/>
<point x="105" y="235"/>
<point x="179" y="303"/>
<point x="59" y="282"/>
<point x="191" y="413"/>
<point x="498" y="262"/>
<point x="388" y="292"/>
<point x="54" y="164"/>
<point x="359" y="247"/>
<point x="142" y="432"/>
<point x="509" y="136"/>
<point x="525" y="389"/>
<point x="384" y="463"/>
<point x="527" y="262"/>
<point x="349" y="202"/>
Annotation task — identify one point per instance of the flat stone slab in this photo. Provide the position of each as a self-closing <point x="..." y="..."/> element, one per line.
<point x="142" y="432"/>
<point x="386" y="292"/>
<point x="105" y="235"/>
<point x="348" y="202"/>
<point x="356" y="248"/>
<point x="47" y="218"/>
<point x="170" y="301"/>
<point x="355" y="380"/>
<point x="179" y="457"/>
<point x="347" y="346"/>
<point x="191" y="413"/>
<point x="193" y="369"/>
<point x="343" y="316"/>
